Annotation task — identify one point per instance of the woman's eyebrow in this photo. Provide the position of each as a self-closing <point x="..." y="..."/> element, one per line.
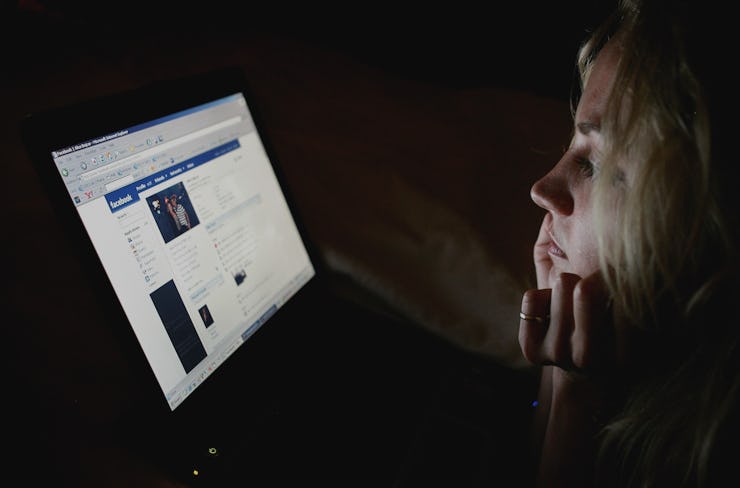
<point x="587" y="126"/>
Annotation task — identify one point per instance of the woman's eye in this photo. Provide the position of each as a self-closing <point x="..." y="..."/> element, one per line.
<point x="587" y="167"/>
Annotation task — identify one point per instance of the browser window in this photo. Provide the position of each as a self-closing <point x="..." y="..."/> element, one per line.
<point x="193" y="231"/>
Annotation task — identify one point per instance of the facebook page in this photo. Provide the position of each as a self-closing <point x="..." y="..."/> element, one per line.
<point x="193" y="230"/>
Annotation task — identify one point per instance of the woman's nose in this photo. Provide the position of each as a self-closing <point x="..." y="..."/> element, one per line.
<point x="552" y="192"/>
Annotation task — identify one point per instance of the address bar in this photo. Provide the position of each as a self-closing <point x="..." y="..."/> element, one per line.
<point x="164" y="146"/>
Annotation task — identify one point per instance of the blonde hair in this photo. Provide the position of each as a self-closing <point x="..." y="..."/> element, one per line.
<point x="657" y="124"/>
<point x="666" y="249"/>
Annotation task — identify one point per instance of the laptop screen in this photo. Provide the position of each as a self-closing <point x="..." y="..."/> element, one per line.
<point x="193" y="230"/>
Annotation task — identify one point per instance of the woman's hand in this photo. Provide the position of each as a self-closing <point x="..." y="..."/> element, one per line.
<point x="574" y="342"/>
<point x="576" y="331"/>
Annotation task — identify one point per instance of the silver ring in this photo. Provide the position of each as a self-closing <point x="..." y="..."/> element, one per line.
<point x="534" y="318"/>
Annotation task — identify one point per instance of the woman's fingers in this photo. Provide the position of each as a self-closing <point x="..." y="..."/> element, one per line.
<point x="533" y="323"/>
<point x="569" y="325"/>
<point x="557" y="344"/>
<point x="589" y="342"/>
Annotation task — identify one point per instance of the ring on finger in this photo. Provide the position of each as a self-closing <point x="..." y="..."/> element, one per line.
<point x="534" y="318"/>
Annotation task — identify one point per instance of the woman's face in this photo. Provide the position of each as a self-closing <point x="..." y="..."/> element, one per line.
<point x="566" y="192"/>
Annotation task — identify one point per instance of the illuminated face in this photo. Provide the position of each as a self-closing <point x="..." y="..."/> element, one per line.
<point x="566" y="192"/>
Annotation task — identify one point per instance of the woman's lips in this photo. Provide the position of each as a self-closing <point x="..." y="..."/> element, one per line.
<point x="554" y="249"/>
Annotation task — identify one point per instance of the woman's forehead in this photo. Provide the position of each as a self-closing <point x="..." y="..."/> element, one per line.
<point x="595" y="97"/>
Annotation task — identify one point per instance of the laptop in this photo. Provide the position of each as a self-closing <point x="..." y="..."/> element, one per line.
<point x="174" y="198"/>
<point x="251" y="371"/>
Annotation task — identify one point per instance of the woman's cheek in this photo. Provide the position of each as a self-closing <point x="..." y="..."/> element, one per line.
<point x="588" y="263"/>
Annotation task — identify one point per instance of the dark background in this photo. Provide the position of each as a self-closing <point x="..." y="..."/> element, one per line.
<point x="435" y="415"/>
<point x="527" y="45"/>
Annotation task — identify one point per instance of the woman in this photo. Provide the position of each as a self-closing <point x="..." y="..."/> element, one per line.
<point x="636" y="262"/>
